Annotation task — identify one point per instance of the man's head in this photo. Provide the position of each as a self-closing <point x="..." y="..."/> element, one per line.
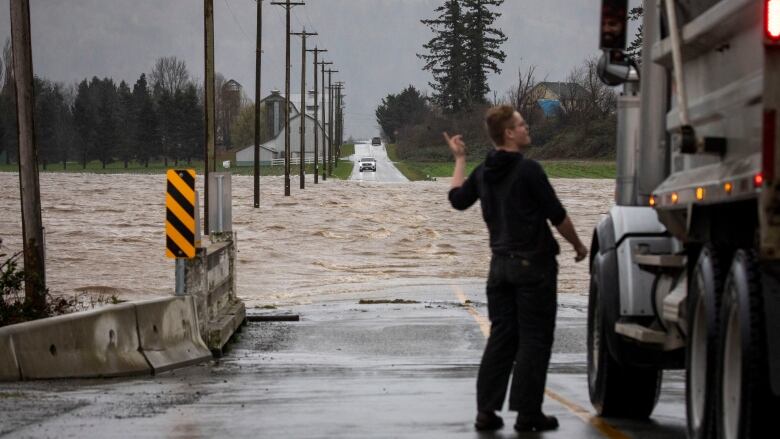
<point x="613" y="27"/>
<point x="506" y="127"/>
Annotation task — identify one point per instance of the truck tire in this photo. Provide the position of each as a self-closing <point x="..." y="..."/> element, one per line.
<point x="701" y="358"/>
<point x="615" y="390"/>
<point x="746" y="406"/>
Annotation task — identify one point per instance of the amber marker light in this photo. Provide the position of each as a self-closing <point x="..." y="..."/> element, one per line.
<point x="728" y="187"/>
<point x="675" y="198"/>
<point x="652" y="200"/>
<point x="758" y="180"/>
<point x="699" y="193"/>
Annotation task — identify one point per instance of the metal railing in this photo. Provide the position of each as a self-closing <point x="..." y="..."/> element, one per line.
<point x="293" y="161"/>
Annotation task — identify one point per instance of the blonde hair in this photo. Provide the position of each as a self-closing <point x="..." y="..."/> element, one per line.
<point x="497" y="120"/>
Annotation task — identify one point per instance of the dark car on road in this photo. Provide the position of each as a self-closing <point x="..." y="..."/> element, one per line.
<point x="376" y="141"/>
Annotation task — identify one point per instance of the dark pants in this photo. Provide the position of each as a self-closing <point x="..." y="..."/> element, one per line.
<point x="522" y="304"/>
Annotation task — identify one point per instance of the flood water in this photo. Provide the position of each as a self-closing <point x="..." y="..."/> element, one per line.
<point x="105" y="234"/>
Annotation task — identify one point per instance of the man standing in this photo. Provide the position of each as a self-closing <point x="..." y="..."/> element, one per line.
<point x="517" y="201"/>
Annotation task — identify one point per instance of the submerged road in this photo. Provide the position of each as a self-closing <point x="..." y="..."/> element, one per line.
<point x="386" y="172"/>
<point x="375" y="369"/>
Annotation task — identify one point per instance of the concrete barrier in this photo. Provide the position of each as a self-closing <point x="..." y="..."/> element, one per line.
<point x="169" y="335"/>
<point x="210" y="278"/>
<point x="9" y="367"/>
<point x="97" y="343"/>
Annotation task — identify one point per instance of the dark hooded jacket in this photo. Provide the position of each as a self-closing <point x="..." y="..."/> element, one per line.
<point x="517" y="200"/>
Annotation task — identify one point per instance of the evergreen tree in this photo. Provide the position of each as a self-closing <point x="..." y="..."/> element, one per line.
<point x="446" y="57"/>
<point x="85" y="120"/>
<point x="192" y="130"/>
<point x="45" y="115"/>
<point x="167" y="117"/>
<point x="107" y="121"/>
<point x="146" y="141"/>
<point x="483" y="47"/>
<point x="126" y="129"/>
<point x="404" y="109"/>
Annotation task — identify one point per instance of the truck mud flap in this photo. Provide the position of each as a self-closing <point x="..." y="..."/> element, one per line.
<point x="625" y="352"/>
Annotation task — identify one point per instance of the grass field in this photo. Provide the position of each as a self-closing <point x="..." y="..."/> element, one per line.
<point x="416" y="171"/>
<point x="347" y="149"/>
<point x="342" y="172"/>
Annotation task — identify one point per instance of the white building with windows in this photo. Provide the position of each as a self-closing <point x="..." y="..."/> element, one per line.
<point x="274" y="148"/>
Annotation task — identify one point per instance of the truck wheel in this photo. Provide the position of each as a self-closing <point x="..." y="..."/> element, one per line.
<point x="701" y="357"/>
<point x="746" y="406"/>
<point x="615" y="390"/>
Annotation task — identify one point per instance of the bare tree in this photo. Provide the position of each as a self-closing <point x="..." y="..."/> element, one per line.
<point x="587" y="97"/>
<point x="170" y="74"/>
<point x="523" y="96"/>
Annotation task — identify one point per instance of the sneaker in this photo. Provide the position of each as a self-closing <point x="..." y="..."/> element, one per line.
<point x="488" y="421"/>
<point x="536" y="423"/>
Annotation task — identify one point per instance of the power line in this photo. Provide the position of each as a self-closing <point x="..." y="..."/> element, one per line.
<point x="241" y="28"/>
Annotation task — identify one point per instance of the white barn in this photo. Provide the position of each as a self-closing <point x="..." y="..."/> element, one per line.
<point x="274" y="148"/>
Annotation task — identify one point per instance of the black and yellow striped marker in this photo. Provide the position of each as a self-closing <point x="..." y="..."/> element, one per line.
<point x="180" y="214"/>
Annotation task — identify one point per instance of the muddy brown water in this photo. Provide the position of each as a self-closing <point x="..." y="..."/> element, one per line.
<point x="105" y="235"/>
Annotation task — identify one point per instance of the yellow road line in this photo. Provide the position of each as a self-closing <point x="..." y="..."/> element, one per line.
<point x="598" y="423"/>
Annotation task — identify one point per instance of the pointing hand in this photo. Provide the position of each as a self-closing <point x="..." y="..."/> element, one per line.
<point x="456" y="145"/>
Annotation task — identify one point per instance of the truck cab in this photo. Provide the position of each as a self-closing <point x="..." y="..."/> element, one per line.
<point x="685" y="268"/>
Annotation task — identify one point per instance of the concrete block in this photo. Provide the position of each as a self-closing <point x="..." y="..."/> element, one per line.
<point x="9" y="367"/>
<point x="97" y="343"/>
<point x="225" y="325"/>
<point x="169" y="335"/>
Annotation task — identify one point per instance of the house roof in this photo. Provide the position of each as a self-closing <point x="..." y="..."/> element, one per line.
<point x="564" y="90"/>
<point x="295" y="99"/>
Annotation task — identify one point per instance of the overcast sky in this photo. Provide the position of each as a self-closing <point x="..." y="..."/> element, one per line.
<point x="373" y="43"/>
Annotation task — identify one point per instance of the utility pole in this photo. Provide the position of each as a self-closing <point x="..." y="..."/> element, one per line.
<point x="338" y="128"/>
<point x="330" y="119"/>
<point x="29" y="185"/>
<point x="324" y="140"/>
<point x="287" y="4"/>
<point x="316" y="51"/>
<point x="209" y="104"/>
<point x="303" y="36"/>
<point x="258" y="95"/>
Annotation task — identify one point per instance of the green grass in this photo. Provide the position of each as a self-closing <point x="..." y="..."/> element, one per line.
<point x="343" y="171"/>
<point x="416" y="171"/>
<point x="95" y="167"/>
<point x="347" y="149"/>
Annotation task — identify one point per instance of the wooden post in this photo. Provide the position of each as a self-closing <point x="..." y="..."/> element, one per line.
<point x="209" y="104"/>
<point x="29" y="185"/>
<point x="258" y="96"/>
<point x="302" y="165"/>
<point x="316" y="114"/>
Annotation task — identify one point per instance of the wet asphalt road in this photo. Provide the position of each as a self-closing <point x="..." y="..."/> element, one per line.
<point x="386" y="172"/>
<point x="346" y="370"/>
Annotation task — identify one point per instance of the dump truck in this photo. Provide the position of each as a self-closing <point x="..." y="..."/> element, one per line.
<point x="685" y="267"/>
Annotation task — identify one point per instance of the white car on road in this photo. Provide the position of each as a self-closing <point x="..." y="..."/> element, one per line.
<point x="367" y="164"/>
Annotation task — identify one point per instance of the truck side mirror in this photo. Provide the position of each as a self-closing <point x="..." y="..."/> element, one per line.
<point x="614" y="22"/>
<point x="614" y="68"/>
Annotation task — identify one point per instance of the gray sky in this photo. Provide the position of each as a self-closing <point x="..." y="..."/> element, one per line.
<point x="372" y="42"/>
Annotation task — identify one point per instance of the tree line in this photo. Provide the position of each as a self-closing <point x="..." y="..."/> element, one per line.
<point x="465" y="48"/>
<point x="159" y="117"/>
